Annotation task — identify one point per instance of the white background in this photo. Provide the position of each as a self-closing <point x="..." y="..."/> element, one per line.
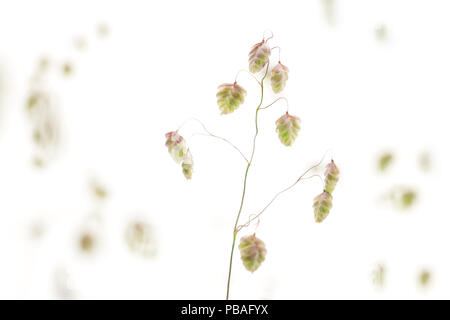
<point x="161" y="64"/>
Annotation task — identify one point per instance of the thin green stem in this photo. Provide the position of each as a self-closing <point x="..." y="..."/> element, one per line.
<point x="235" y="230"/>
<point x="254" y="217"/>
<point x="278" y="99"/>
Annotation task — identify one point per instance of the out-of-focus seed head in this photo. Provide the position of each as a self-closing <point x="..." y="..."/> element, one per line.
<point x="381" y="33"/>
<point x="379" y="275"/>
<point x="87" y="242"/>
<point x="98" y="189"/>
<point x="253" y="252"/>
<point x="67" y="68"/>
<point x="425" y="162"/>
<point x="384" y="161"/>
<point x="139" y="237"/>
<point x="230" y="97"/>
<point x="322" y="205"/>
<point x="258" y="57"/>
<point x="408" y="198"/>
<point x="37" y="230"/>
<point x="424" y="278"/>
<point x="403" y="197"/>
<point x="288" y="127"/>
<point x="176" y="146"/>
<point x="331" y="176"/>
<point x="278" y="77"/>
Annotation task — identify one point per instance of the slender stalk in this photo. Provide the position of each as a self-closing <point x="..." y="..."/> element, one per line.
<point x="254" y="217"/>
<point x="246" y="71"/>
<point x="209" y="134"/>
<point x="223" y="139"/>
<point x="278" y="99"/>
<point x="235" y="230"/>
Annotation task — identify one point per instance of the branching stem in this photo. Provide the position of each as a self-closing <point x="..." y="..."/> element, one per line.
<point x="248" y="72"/>
<point x="235" y="230"/>
<point x="276" y="100"/>
<point x="254" y="217"/>
<point x="209" y="134"/>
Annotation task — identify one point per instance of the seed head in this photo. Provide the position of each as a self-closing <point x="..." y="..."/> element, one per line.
<point x="230" y="97"/>
<point x="187" y="165"/>
<point x="278" y="77"/>
<point x="331" y="176"/>
<point x="322" y="205"/>
<point x="253" y="252"/>
<point x="288" y="127"/>
<point x="176" y="146"/>
<point x="258" y="57"/>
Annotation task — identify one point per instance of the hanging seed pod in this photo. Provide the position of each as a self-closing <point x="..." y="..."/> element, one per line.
<point x="331" y="176"/>
<point x="176" y="145"/>
<point x="322" y="205"/>
<point x="258" y="57"/>
<point x="187" y="165"/>
<point x="230" y="97"/>
<point x="278" y="77"/>
<point x="288" y="127"/>
<point x="253" y="252"/>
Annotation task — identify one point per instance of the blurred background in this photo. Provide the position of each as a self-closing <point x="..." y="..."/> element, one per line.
<point x="93" y="207"/>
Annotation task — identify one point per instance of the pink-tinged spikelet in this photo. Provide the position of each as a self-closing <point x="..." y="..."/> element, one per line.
<point x="176" y="146"/>
<point x="331" y="176"/>
<point x="288" y="127"/>
<point x="230" y="97"/>
<point x="253" y="252"/>
<point x="258" y="57"/>
<point x="322" y="205"/>
<point x="278" y="77"/>
<point x="187" y="165"/>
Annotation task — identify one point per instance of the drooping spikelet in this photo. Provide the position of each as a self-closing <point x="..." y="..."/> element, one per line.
<point x="288" y="127"/>
<point x="278" y="77"/>
<point x="176" y="146"/>
<point x="258" y="57"/>
<point x="331" y="176"/>
<point x="322" y="205"/>
<point x="253" y="252"/>
<point x="230" y="97"/>
<point x="187" y="165"/>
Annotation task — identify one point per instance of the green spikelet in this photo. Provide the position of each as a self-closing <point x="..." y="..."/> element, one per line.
<point x="322" y="205"/>
<point x="176" y="146"/>
<point x="288" y="127"/>
<point x="187" y="165"/>
<point x="258" y="57"/>
<point x="230" y="97"/>
<point x="180" y="153"/>
<point x="331" y="176"/>
<point x="385" y="161"/>
<point x="278" y="77"/>
<point x="253" y="252"/>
